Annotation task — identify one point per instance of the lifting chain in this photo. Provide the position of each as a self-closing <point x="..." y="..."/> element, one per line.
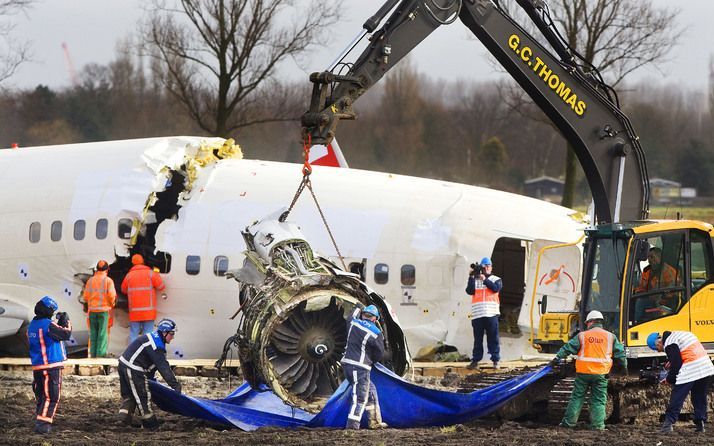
<point x="305" y="182"/>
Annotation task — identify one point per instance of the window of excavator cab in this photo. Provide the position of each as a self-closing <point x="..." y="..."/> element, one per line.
<point x="102" y="228"/>
<point x="408" y="275"/>
<point x="56" y="231"/>
<point x="220" y="266"/>
<point x="605" y="277"/>
<point x="657" y="281"/>
<point x="700" y="253"/>
<point x="381" y="273"/>
<point x="35" y="230"/>
<point x="80" y="227"/>
<point x="124" y="226"/>
<point x="193" y="265"/>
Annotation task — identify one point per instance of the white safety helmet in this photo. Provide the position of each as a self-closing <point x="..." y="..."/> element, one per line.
<point x="594" y="315"/>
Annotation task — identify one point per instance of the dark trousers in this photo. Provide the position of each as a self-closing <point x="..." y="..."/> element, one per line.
<point x="488" y="325"/>
<point x="47" y="385"/>
<point x="134" y="389"/>
<point x="698" y="389"/>
<point x="363" y="394"/>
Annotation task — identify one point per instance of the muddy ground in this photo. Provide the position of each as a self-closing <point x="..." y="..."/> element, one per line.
<point x="88" y="415"/>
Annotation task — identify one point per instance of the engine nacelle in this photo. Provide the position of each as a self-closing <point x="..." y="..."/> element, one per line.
<point x="295" y="308"/>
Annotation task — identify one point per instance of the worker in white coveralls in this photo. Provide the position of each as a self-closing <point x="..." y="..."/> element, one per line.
<point x="365" y="346"/>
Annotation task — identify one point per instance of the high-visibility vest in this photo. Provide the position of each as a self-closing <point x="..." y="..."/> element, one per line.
<point x="140" y="285"/>
<point x="484" y="302"/>
<point x="45" y="352"/>
<point x="595" y="354"/>
<point x="695" y="360"/>
<point x="99" y="293"/>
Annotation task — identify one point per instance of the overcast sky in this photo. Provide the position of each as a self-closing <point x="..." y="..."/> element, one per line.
<point x="91" y="29"/>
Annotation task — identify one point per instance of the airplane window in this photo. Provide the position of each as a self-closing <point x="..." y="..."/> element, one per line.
<point x="381" y="273"/>
<point x="220" y="265"/>
<point x="35" y="231"/>
<point x="79" y="227"/>
<point x="193" y="265"/>
<point x="408" y="274"/>
<point x="124" y="228"/>
<point x="56" y="231"/>
<point x="102" y="228"/>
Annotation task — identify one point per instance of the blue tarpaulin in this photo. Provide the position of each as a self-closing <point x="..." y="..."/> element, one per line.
<point x="403" y="404"/>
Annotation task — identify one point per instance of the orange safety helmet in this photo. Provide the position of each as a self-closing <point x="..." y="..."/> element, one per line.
<point x="137" y="259"/>
<point x="102" y="265"/>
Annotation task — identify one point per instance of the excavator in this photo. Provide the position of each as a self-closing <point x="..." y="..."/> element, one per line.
<point x="642" y="275"/>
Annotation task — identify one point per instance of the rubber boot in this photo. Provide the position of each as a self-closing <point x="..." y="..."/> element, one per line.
<point x="126" y="411"/>
<point x="667" y="427"/>
<point x="42" y="427"/>
<point x="699" y="426"/>
<point x="352" y="424"/>
<point x="374" y="415"/>
<point x="151" y="423"/>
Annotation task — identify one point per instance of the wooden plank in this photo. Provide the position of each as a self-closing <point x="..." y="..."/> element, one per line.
<point x="114" y="362"/>
<point x="184" y="370"/>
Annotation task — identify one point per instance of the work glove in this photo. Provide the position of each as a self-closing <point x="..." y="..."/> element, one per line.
<point x="556" y="362"/>
<point x="62" y="319"/>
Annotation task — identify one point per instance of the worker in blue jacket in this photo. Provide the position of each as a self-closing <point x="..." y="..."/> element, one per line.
<point x="145" y="356"/>
<point x="47" y="354"/>
<point x="365" y="346"/>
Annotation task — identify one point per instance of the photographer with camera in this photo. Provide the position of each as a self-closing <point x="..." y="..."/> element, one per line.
<point x="47" y="355"/>
<point x="483" y="287"/>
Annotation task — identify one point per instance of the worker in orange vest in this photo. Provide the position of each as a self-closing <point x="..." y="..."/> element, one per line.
<point x="101" y="296"/>
<point x="595" y="349"/>
<point x="140" y="285"/>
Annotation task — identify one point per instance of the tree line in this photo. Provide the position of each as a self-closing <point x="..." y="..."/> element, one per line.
<point x="456" y="131"/>
<point x="209" y="68"/>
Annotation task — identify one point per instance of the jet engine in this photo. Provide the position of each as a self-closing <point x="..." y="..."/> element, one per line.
<point x="295" y="309"/>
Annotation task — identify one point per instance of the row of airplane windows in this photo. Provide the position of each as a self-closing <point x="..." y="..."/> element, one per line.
<point x="193" y="263"/>
<point x="80" y="230"/>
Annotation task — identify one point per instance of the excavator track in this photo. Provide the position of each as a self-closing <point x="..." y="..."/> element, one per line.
<point x="630" y="399"/>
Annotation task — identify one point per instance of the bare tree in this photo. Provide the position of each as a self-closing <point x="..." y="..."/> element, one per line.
<point x="616" y="36"/>
<point x="219" y="56"/>
<point x="13" y="52"/>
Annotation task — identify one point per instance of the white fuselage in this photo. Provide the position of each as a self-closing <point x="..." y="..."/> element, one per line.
<point x="400" y="227"/>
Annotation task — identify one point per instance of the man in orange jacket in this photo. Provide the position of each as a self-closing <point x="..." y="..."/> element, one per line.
<point x="101" y="296"/>
<point x="140" y="285"/>
<point x="595" y="349"/>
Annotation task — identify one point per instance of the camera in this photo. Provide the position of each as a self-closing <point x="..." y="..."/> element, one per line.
<point x="476" y="269"/>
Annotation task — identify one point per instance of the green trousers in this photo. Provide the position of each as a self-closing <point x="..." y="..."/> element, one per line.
<point x="598" y="400"/>
<point x="98" y="337"/>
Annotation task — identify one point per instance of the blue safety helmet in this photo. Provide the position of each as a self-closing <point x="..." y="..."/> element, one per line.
<point x="652" y="340"/>
<point x="371" y="309"/>
<point x="166" y="325"/>
<point x="50" y="303"/>
<point x="486" y="261"/>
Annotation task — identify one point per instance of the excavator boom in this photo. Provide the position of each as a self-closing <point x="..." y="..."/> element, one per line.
<point x="576" y="101"/>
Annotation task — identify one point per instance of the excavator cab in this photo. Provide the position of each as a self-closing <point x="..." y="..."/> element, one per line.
<point x="672" y="287"/>
<point x="646" y="277"/>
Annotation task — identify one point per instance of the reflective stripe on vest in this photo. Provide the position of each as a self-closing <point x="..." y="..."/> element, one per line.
<point x="484" y="302"/>
<point x="595" y="354"/>
<point x="695" y="361"/>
